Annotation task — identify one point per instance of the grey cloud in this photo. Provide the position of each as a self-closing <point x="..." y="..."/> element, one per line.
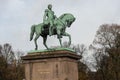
<point x="17" y="16"/>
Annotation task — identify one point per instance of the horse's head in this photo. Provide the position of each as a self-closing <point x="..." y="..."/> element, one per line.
<point x="68" y="19"/>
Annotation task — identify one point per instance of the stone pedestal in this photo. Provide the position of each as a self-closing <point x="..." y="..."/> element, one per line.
<point x="52" y="65"/>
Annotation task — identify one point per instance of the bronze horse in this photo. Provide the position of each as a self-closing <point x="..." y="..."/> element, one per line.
<point x="59" y="29"/>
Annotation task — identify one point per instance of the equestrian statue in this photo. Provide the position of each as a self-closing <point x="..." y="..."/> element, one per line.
<point x="52" y="26"/>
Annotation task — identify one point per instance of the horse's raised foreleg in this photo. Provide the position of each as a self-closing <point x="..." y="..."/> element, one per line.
<point x="44" y="41"/>
<point x="35" y="40"/>
<point x="66" y="34"/>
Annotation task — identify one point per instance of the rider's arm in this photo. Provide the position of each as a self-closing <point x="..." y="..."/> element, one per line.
<point x="44" y="17"/>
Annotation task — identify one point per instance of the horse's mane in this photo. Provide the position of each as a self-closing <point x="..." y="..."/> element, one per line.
<point x="62" y="15"/>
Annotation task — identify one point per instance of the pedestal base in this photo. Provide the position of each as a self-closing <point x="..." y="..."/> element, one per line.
<point x="52" y="65"/>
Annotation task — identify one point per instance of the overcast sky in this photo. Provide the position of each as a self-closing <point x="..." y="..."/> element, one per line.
<point x="17" y="16"/>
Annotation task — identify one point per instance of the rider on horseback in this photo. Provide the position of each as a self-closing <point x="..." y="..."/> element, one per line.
<point x="49" y="18"/>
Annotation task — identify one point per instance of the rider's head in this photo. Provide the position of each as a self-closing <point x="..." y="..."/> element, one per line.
<point x="49" y="6"/>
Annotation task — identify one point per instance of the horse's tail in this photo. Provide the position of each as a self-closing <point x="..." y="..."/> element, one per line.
<point x="32" y="32"/>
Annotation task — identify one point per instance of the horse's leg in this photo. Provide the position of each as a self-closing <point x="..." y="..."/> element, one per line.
<point x="59" y="37"/>
<point x="66" y="34"/>
<point x="35" y="40"/>
<point x="44" y="41"/>
<point x="60" y="41"/>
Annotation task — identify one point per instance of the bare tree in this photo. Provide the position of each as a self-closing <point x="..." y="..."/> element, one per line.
<point x="79" y="48"/>
<point x="106" y="44"/>
<point x="8" y="53"/>
<point x="10" y="66"/>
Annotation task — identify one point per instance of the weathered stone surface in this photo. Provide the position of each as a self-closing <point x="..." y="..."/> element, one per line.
<point x="55" y="65"/>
